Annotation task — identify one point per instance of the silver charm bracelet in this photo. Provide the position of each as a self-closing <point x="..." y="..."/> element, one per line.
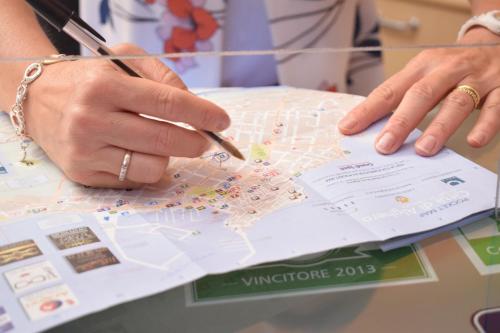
<point x="32" y="73"/>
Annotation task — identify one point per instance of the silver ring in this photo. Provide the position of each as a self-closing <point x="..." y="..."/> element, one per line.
<point x="125" y="164"/>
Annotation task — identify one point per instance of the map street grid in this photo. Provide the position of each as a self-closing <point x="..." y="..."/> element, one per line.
<point x="304" y="189"/>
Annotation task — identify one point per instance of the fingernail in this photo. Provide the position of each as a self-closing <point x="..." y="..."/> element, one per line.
<point x="386" y="143"/>
<point x="348" y="124"/>
<point x="478" y="138"/>
<point x="427" y="144"/>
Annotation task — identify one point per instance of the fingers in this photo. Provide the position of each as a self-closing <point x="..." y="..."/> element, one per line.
<point x="143" y="168"/>
<point x="417" y="102"/>
<point x="419" y="87"/>
<point x="168" y="103"/>
<point x="102" y="167"/>
<point x="379" y="103"/>
<point x="108" y="180"/>
<point x="150" y="68"/>
<point x="488" y="124"/>
<point x="456" y="108"/>
<point x="132" y="132"/>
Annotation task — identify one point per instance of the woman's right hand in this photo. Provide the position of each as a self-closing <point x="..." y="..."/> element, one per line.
<point x="86" y="114"/>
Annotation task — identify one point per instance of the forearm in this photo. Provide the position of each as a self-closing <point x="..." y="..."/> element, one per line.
<point x="20" y="36"/>
<point x="483" y="6"/>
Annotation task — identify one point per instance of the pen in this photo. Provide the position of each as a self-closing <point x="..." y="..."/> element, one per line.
<point x="68" y="21"/>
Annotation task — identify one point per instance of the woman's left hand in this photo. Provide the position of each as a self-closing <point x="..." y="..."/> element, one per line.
<point x="430" y="77"/>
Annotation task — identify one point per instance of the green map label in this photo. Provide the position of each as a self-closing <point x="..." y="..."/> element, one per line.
<point x="337" y="269"/>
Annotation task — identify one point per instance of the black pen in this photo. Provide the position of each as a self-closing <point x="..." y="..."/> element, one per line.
<point x="68" y="21"/>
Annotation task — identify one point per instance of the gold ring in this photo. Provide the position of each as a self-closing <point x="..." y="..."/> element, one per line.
<point x="125" y="164"/>
<point x="472" y="93"/>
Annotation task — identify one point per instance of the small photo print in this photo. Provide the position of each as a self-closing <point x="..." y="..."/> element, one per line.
<point x="92" y="259"/>
<point x="73" y="238"/>
<point x="48" y="302"/>
<point x="15" y="252"/>
<point x="32" y="276"/>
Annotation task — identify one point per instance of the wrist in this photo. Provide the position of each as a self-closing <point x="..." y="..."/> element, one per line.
<point x="44" y="97"/>
<point x="478" y="35"/>
<point x="12" y="72"/>
<point x="9" y="82"/>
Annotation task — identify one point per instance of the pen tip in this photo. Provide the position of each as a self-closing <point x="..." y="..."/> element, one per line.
<point x="239" y="156"/>
<point x="233" y="150"/>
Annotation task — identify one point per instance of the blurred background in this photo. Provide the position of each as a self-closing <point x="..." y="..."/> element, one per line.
<point x="418" y="22"/>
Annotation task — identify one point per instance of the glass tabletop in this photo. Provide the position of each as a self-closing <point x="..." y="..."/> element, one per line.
<point x="448" y="283"/>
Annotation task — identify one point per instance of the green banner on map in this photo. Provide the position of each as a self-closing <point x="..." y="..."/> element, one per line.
<point x="342" y="268"/>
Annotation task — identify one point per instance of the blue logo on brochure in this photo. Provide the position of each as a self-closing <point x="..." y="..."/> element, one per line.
<point x="453" y="181"/>
<point x="3" y="170"/>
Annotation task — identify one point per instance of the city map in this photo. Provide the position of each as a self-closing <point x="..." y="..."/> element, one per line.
<point x="67" y="250"/>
